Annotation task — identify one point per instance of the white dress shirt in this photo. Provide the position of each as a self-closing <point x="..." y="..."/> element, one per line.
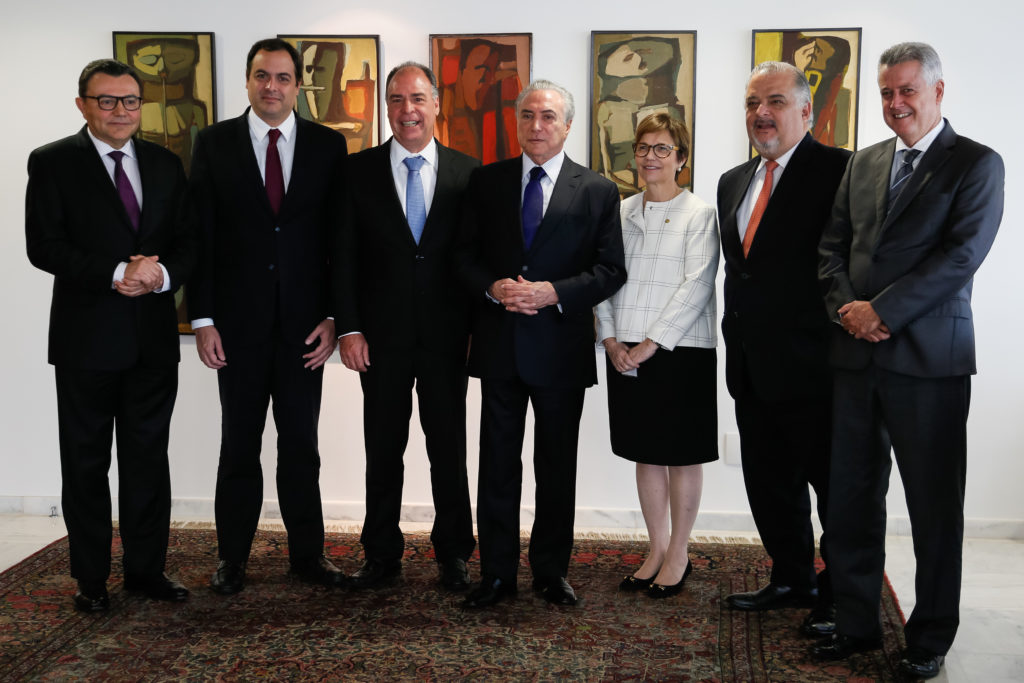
<point x="923" y="144"/>
<point x="547" y="184"/>
<point x="746" y="207"/>
<point x="428" y="172"/>
<point x="130" y="164"/>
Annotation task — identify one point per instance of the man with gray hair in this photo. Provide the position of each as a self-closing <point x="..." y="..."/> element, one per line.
<point x="540" y="246"/>
<point x="913" y="220"/>
<point x="772" y="210"/>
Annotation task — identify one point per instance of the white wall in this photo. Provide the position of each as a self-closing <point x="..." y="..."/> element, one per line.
<point x="50" y="42"/>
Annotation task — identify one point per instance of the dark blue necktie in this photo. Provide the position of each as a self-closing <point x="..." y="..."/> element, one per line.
<point x="904" y="172"/>
<point x="533" y="206"/>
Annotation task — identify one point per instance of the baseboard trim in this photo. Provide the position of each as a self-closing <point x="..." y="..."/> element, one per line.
<point x="187" y="509"/>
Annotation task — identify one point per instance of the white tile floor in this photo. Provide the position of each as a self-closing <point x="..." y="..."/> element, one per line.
<point x="989" y="647"/>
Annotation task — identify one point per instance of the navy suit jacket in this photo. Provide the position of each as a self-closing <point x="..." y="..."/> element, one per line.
<point x="774" y="324"/>
<point x="77" y="229"/>
<point x="256" y="271"/>
<point x="916" y="263"/>
<point x="578" y="248"/>
<point x="401" y="295"/>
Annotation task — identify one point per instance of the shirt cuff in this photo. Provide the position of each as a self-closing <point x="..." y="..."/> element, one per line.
<point x="202" y="322"/>
<point x="119" y="273"/>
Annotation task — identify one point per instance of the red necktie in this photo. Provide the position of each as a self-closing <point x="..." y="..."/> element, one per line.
<point x="273" y="175"/>
<point x="759" y="206"/>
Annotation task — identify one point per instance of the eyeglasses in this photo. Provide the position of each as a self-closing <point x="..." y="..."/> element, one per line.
<point x="109" y="102"/>
<point x="660" y="151"/>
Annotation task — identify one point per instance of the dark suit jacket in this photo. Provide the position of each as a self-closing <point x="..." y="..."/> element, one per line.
<point x="775" y="328"/>
<point x="248" y="258"/>
<point x="578" y="248"/>
<point x="77" y="229"/>
<point x="399" y="295"/>
<point x="915" y="265"/>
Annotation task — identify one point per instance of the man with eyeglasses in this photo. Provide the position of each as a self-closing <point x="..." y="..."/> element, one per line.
<point x="772" y="210"/>
<point x="104" y="214"/>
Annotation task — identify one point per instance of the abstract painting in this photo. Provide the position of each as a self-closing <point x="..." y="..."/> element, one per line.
<point x="634" y="75"/>
<point x="830" y="58"/>
<point x="339" y="85"/>
<point x="479" y="77"/>
<point x="178" y="100"/>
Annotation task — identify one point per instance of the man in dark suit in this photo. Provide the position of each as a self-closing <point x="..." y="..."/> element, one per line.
<point x="541" y="244"/>
<point x="913" y="220"/>
<point x="105" y="215"/>
<point x="404" y="321"/>
<point x="776" y="333"/>
<point x="261" y="306"/>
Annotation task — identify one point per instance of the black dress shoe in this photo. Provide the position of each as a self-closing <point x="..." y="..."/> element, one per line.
<point x="92" y="596"/>
<point x="555" y="590"/>
<point x="917" y="662"/>
<point x="453" y="574"/>
<point x="375" y="573"/>
<point x="319" y="570"/>
<point x="229" y="577"/>
<point x="490" y="591"/>
<point x="659" y="591"/>
<point x="820" y="623"/>
<point x="839" y="646"/>
<point x="631" y="584"/>
<point x="772" y="596"/>
<point x="158" y="587"/>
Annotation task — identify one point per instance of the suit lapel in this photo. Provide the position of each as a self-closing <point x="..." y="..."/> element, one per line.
<point x="731" y="204"/>
<point x="561" y="199"/>
<point x="933" y="159"/>
<point x="149" y="187"/>
<point x="250" y="170"/>
<point x="442" y="187"/>
<point x="103" y="185"/>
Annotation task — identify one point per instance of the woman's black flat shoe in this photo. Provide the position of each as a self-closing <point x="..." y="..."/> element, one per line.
<point x="658" y="591"/>
<point x="631" y="584"/>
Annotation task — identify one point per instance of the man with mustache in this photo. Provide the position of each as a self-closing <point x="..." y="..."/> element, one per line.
<point x="772" y="210"/>
<point x="261" y="306"/>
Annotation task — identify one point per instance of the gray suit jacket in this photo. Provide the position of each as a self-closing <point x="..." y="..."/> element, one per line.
<point x="915" y="264"/>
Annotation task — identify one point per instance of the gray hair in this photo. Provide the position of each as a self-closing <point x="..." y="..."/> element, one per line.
<point x="931" y="65"/>
<point x="427" y="73"/>
<point x="570" y="107"/>
<point x="800" y="85"/>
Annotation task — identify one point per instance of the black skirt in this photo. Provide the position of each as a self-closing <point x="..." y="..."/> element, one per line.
<point x="668" y="413"/>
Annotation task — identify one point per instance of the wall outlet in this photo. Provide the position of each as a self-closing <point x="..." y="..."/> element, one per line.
<point x="731" y="448"/>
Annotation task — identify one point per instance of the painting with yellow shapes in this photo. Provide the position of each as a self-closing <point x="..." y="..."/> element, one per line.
<point x="830" y="58"/>
<point x="177" y="75"/>
<point x="339" y="86"/>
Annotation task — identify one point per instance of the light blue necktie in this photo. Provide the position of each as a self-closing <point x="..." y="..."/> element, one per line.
<point x="415" y="208"/>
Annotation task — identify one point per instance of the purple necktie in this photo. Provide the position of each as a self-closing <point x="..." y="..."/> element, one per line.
<point x="533" y="206"/>
<point x="273" y="176"/>
<point x="124" y="189"/>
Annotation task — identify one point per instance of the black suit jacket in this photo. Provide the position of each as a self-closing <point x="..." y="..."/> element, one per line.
<point x="77" y="229"/>
<point x="915" y="264"/>
<point x="399" y="295"/>
<point x="775" y="327"/>
<point x="578" y="248"/>
<point x="248" y="259"/>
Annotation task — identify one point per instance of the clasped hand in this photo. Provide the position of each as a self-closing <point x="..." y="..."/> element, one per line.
<point x="523" y="296"/>
<point x="142" y="275"/>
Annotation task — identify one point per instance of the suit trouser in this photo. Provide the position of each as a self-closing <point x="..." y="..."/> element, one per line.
<point x="138" y="402"/>
<point x="440" y="381"/>
<point x="252" y="378"/>
<point x="924" y="422"/>
<point x="557" y="413"/>
<point x="785" y="446"/>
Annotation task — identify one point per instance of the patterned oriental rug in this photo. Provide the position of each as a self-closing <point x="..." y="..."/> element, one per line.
<point x="279" y="629"/>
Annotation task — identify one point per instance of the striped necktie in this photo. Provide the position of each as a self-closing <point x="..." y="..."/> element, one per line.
<point x="904" y="172"/>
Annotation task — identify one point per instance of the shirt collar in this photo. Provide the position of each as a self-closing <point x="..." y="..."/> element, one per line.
<point x="551" y="167"/>
<point x="104" y="149"/>
<point x="260" y="128"/>
<point x="399" y="153"/>
<point x="924" y="143"/>
<point x="782" y="160"/>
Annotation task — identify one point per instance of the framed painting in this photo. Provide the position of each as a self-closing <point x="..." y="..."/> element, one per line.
<point x="830" y="58"/>
<point x="178" y="96"/>
<point x="339" y="86"/>
<point x="632" y="75"/>
<point x="479" y="77"/>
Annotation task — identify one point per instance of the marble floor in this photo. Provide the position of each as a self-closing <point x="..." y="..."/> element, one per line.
<point x="989" y="647"/>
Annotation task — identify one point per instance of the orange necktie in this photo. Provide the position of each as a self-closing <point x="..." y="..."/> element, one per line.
<point x="760" y="205"/>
